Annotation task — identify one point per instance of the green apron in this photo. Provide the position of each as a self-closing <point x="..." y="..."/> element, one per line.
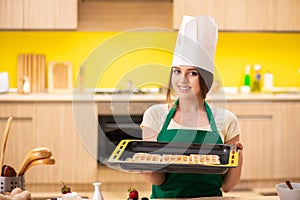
<point x="186" y="185"/>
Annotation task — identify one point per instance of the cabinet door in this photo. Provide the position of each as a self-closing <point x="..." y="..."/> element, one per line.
<point x="11" y="14"/>
<point x="50" y="14"/>
<point x="256" y="123"/>
<point x="286" y="148"/>
<point x="55" y="128"/>
<point x="287" y="15"/>
<point x="252" y="15"/>
<point x="20" y="139"/>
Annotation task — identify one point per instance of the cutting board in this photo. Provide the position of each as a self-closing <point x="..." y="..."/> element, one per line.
<point x="60" y="76"/>
<point x="33" y="67"/>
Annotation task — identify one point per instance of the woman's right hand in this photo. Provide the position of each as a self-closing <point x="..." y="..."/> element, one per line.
<point x="156" y="178"/>
<point x="16" y="194"/>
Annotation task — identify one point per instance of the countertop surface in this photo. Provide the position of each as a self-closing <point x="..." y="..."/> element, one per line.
<point x="254" y="197"/>
<point x="233" y="198"/>
<point x="139" y="97"/>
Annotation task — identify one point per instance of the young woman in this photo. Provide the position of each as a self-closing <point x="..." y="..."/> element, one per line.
<point x="190" y="119"/>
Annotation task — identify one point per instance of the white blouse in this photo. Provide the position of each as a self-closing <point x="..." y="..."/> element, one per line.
<point x="226" y="122"/>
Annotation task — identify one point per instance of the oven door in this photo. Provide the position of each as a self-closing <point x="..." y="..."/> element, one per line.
<point x="113" y="129"/>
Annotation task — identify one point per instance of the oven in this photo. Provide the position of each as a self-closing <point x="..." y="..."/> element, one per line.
<point x="117" y="121"/>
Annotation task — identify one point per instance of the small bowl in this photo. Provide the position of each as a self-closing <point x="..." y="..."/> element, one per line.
<point x="285" y="193"/>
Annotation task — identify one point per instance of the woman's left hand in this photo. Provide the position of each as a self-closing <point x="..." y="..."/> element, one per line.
<point x="240" y="150"/>
<point x="239" y="145"/>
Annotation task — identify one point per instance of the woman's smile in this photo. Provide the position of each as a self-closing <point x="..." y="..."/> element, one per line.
<point x="184" y="88"/>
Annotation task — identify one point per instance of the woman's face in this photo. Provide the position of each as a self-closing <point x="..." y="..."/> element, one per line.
<point x="185" y="81"/>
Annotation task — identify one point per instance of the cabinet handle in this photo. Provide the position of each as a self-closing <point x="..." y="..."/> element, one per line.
<point x="17" y="118"/>
<point x="255" y="117"/>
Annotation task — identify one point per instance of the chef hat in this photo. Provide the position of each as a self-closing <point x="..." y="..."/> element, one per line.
<point x="196" y="45"/>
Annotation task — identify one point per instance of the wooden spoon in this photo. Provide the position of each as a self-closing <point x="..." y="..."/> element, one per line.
<point x="4" y="140"/>
<point x="44" y="161"/>
<point x="288" y="183"/>
<point x="34" y="154"/>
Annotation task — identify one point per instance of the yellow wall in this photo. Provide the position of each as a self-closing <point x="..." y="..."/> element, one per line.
<point x="276" y="52"/>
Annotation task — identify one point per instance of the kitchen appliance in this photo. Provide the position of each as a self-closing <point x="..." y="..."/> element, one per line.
<point x="113" y="130"/>
<point x="127" y="148"/>
<point x="119" y="120"/>
<point x="4" y="82"/>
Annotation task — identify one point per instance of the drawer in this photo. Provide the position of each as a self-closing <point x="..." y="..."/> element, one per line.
<point x="252" y="111"/>
<point x="16" y="110"/>
<point x="123" y="108"/>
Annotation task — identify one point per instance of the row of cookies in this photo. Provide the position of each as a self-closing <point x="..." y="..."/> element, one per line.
<point x="170" y="158"/>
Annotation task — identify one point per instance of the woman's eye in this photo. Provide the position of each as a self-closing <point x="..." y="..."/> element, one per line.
<point x="192" y="73"/>
<point x="176" y="71"/>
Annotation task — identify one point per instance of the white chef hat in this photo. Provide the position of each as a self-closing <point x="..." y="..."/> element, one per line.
<point x="196" y="45"/>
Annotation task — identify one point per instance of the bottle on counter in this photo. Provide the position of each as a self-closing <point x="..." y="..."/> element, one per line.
<point x="268" y="82"/>
<point x="97" y="192"/>
<point x="26" y="85"/>
<point x="256" y="87"/>
<point x="246" y="86"/>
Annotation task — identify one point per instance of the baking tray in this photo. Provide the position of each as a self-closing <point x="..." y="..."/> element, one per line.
<point x="127" y="148"/>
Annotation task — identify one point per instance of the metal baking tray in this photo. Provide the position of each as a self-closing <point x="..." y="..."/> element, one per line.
<point x="127" y="148"/>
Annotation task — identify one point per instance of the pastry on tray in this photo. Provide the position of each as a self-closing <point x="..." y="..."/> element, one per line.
<point x="178" y="159"/>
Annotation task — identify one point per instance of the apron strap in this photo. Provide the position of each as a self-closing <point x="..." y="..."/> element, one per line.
<point x="210" y="116"/>
<point x="170" y="115"/>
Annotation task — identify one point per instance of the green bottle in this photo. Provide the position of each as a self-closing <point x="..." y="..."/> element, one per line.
<point x="247" y="76"/>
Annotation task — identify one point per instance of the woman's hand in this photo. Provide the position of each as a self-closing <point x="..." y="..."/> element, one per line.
<point x="233" y="175"/>
<point x="156" y="178"/>
<point x="16" y="194"/>
<point x="240" y="150"/>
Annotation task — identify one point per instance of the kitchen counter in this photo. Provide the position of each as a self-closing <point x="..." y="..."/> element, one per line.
<point x="139" y="97"/>
<point x="233" y="198"/>
<point x="109" y="195"/>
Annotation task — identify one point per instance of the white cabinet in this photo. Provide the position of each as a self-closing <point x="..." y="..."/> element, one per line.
<point x="245" y="15"/>
<point x="37" y="14"/>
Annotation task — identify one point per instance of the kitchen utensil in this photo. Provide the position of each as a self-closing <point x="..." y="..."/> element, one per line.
<point x="285" y="193"/>
<point x="60" y="77"/>
<point x="4" y="140"/>
<point x="9" y="183"/>
<point x="288" y="183"/>
<point x="43" y="161"/>
<point x="35" y="154"/>
<point x="127" y="148"/>
<point x="8" y="171"/>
